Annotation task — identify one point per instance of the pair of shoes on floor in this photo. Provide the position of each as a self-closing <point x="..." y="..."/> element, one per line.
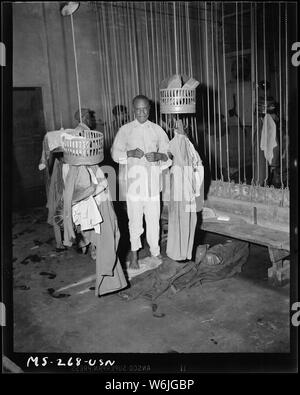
<point x="61" y="248"/>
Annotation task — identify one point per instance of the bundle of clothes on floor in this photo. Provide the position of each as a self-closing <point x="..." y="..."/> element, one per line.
<point x="211" y="264"/>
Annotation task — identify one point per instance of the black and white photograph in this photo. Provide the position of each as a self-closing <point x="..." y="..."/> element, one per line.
<point x="149" y="204"/>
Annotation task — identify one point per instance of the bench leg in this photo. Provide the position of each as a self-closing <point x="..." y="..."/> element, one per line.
<point x="279" y="273"/>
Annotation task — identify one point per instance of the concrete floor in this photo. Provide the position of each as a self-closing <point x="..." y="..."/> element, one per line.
<point x="239" y="314"/>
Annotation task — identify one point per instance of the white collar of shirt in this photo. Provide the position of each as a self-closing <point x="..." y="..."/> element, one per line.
<point x="142" y="125"/>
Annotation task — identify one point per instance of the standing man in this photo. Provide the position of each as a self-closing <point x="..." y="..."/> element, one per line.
<point x="120" y="116"/>
<point x="142" y="146"/>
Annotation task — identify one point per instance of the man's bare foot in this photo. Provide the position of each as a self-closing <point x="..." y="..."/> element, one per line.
<point x="157" y="258"/>
<point x="134" y="264"/>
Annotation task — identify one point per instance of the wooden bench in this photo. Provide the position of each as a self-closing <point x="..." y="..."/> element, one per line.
<point x="254" y="223"/>
<point x="258" y="224"/>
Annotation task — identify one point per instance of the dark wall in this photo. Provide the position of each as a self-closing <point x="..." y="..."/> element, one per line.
<point x="28" y="132"/>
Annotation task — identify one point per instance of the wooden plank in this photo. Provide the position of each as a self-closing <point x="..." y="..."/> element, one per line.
<point x="277" y="256"/>
<point x="239" y="229"/>
<point x="267" y="216"/>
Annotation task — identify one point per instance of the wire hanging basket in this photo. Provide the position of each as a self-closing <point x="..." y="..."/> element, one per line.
<point x="177" y="95"/>
<point x="177" y="101"/>
<point x="83" y="148"/>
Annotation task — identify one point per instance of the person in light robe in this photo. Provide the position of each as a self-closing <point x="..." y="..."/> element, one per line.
<point x="186" y="195"/>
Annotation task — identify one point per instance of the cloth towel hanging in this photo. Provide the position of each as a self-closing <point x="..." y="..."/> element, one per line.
<point x="51" y="141"/>
<point x="189" y="160"/>
<point x="86" y="214"/>
<point x="268" y="137"/>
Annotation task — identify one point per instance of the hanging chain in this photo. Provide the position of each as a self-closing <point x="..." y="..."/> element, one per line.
<point x="76" y="69"/>
<point x="225" y="93"/>
<point x="286" y="101"/>
<point x="265" y="79"/>
<point x="175" y="36"/>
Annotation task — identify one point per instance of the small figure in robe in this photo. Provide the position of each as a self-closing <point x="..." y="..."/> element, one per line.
<point x="88" y="120"/>
<point x="267" y="140"/>
<point x="186" y="184"/>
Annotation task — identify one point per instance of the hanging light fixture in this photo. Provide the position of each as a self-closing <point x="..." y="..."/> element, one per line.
<point x="69" y="7"/>
<point x="179" y="96"/>
<point x="87" y="149"/>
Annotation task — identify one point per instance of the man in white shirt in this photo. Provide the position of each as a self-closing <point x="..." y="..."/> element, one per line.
<point x="141" y="147"/>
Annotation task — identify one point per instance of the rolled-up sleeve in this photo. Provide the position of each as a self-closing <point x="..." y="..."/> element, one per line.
<point x="119" y="147"/>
